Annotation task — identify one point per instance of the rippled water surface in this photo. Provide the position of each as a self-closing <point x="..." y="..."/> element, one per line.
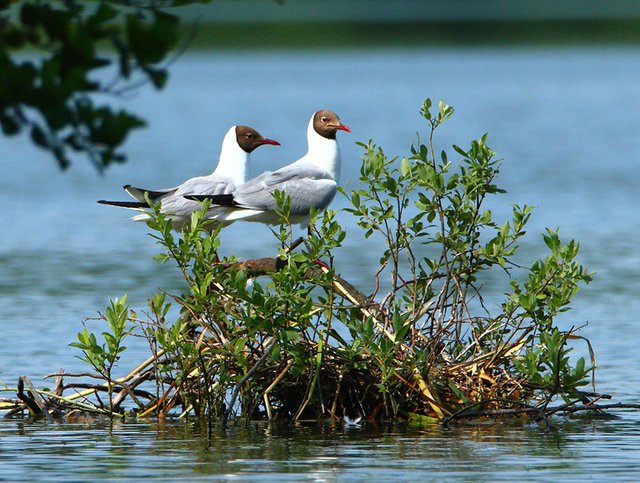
<point x="565" y="121"/>
<point x="576" y="451"/>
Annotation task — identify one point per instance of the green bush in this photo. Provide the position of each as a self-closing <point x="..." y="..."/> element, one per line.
<point x="301" y="342"/>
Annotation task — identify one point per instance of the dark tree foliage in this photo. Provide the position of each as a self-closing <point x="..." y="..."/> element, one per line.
<point x="50" y="56"/>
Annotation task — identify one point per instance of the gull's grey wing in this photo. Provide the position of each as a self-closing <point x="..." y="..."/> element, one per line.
<point x="202" y="185"/>
<point x="307" y="186"/>
<point x="176" y="204"/>
<point x="206" y="185"/>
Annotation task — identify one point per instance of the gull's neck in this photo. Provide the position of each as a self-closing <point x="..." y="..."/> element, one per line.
<point x="322" y="152"/>
<point x="233" y="160"/>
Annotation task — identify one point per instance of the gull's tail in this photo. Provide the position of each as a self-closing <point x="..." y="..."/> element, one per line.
<point x="140" y="206"/>
<point x="133" y="205"/>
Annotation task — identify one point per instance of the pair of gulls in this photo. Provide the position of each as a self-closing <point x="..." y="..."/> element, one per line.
<point x="310" y="182"/>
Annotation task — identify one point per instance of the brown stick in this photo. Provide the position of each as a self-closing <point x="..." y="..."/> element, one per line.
<point x="101" y="388"/>
<point x="240" y="383"/>
<point x="126" y="378"/>
<point x="265" y="395"/>
<point x="34" y="402"/>
<point x="265" y="266"/>
<point x="58" y="386"/>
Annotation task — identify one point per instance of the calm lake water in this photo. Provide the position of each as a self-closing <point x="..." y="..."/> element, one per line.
<point x="565" y="121"/>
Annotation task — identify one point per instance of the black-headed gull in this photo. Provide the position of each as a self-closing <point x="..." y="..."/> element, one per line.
<point x="310" y="182"/>
<point x="230" y="173"/>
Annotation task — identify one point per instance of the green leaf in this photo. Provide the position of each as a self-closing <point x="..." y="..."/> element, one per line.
<point x="158" y="76"/>
<point x="38" y="136"/>
<point x="405" y="167"/>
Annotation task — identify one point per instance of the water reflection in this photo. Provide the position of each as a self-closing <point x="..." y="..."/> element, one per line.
<point x="582" y="447"/>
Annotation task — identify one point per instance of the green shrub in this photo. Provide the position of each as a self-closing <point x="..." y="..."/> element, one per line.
<point x="301" y="342"/>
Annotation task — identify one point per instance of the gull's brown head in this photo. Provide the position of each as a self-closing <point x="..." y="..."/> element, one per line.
<point x="249" y="139"/>
<point x="327" y="124"/>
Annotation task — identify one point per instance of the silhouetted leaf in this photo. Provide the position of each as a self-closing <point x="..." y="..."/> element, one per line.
<point x="158" y="77"/>
<point x="38" y="136"/>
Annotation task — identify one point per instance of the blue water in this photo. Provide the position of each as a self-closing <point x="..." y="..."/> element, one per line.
<point x="566" y="122"/>
<point x="578" y="451"/>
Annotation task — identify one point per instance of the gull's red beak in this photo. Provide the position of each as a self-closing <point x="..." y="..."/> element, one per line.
<point x="343" y="127"/>
<point x="269" y="141"/>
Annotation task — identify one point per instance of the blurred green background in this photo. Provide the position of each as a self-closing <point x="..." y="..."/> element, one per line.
<point x="335" y="23"/>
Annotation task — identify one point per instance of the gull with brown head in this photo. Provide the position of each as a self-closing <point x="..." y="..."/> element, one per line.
<point x="230" y="173"/>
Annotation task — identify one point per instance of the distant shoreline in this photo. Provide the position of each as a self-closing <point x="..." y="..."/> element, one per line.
<point x="398" y="34"/>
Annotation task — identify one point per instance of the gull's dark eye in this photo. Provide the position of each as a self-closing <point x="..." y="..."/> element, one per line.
<point x="249" y="135"/>
<point x="323" y="119"/>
